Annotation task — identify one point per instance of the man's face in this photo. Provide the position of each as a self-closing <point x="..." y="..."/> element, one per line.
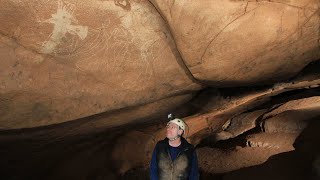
<point x="172" y="130"/>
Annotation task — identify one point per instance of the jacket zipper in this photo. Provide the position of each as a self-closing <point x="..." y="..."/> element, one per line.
<point x="171" y="175"/>
<point x="172" y="162"/>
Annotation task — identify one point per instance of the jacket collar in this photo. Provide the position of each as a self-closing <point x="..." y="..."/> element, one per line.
<point x="184" y="143"/>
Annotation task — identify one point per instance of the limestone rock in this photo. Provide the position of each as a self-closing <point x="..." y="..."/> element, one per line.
<point x="232" y="43"/>
<point x="64" y="60"/>
<point x="244" y="122"/>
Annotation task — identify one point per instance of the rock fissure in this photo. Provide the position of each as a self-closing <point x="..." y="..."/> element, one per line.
<point x="180" y="59"/>
<point x="221" y="31"/>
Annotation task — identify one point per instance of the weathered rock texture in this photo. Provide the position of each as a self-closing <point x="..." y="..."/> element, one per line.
<point x="63" y="60"/>
<point x="230" y="42"/>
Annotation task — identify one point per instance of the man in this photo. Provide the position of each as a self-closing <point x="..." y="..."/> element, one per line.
<point x="174" y="158"/>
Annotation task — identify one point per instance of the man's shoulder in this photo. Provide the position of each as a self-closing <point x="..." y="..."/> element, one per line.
<point x="187" y="144"/>
<point x="163" y="142"/>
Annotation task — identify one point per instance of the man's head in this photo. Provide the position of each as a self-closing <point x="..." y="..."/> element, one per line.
<point x="175" y="128"/>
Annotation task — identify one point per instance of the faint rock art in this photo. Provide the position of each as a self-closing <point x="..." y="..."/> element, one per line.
<point x="121" y="44"/>
<point x="62" y="20"/>
<point x="125" y="4"/>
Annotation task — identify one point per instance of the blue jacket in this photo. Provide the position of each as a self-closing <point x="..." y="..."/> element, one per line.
<point x="172" y="163"/>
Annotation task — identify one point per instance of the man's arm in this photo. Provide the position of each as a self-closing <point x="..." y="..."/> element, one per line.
<point x="194" y="173"/>
<point x="154" y="166"/>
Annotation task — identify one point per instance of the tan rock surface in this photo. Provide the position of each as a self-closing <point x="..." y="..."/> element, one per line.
<point x="230" y="42"/>
<point x="64" y="60"/>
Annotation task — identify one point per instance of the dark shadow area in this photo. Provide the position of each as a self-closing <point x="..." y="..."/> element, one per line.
<point x="198" y="102"/>
<point x="288" y="96"/>
<point x="311" y="71"/>
<point x="136" y="174"/>
<point x="46" y="157"/>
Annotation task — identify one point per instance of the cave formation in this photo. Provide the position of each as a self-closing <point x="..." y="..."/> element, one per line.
<point x="86" y="87"/>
